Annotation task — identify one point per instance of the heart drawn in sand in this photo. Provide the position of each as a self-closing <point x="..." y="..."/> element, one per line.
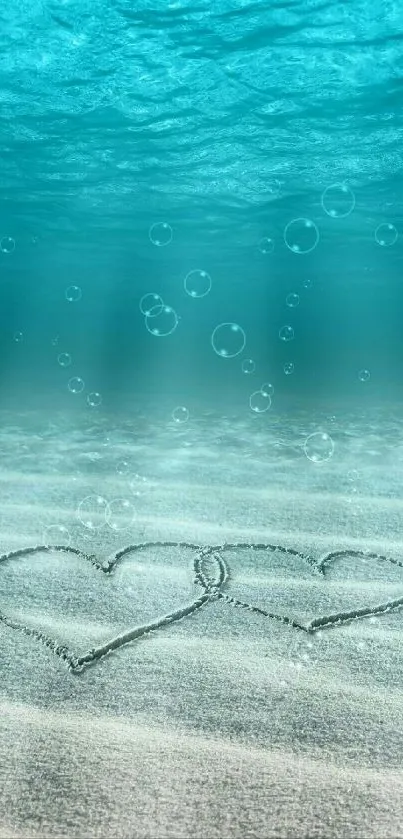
<point x="316" y="571"/>
<point x="211" y="574"/>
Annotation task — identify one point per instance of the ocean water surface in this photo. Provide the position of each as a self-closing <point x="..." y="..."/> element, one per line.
<point x="239" y="161"/>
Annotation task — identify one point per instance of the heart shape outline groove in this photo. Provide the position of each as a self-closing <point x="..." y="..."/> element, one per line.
<point x="211" y="590"/>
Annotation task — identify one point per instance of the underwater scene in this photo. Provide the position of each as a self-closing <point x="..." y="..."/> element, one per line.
<point x="201" y="419"/>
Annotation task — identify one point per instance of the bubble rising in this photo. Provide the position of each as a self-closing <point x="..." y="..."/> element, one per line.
<point x="319" y="447"/>
<point x="7" y="244"/>
<point x="259" y="402"/>
<point x="64" y="359"/>
<point x="94" y="399"/>
<point x="197" y="283"/>
<point x="267" y="389"/>
<point x="301" y="235"/>
<point x="338" y="200"/>
<point x="162" y="323"/>
<point x="180" y="414"/>
<point x="248" y="366"/>
<point x="56" y="534"/>
<point x="91" y="512"/>
<point x="120" y="514"/>
<point x="292" y="300"/>
<point x="228" y="340"/>
<point x="286" y="333"/>
<point x="266" y="245"/>
<point x="386" y="235"/>
<point x="151" y="304"/>
<point x="73" y="293"/>
<point x="76" y="385"/>
<point x="160" y="234"/>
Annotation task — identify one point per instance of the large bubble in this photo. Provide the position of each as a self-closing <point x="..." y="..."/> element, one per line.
<point x="228" y="340"/>
<point x="56" y="534"/>
<point x="319" y="447"/>
<point x="160" y="234"/>
<point x="120" y="514"/>
<point x="338" y="200"/>
<point x="91" y="512"/>
<point x="197" y="283"/>
<point x="162" y="323"/>
<point x="151" y="304"/>
<point x="386" y="235"/>
<point x="259" y="402"/>
<point x="301" y="235"/>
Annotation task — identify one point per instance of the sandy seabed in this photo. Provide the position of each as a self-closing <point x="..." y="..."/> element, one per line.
<point x="229" y="718"/>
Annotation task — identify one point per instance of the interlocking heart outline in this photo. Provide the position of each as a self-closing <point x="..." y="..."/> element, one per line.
<point x="212" y="589"/>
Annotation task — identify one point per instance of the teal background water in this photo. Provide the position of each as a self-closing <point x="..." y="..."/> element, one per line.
<point x="225" y="121"/>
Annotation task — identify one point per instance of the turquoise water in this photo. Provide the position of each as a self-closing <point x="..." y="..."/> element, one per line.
<point x="240" y="162"/>
<point x="201" y="375"/>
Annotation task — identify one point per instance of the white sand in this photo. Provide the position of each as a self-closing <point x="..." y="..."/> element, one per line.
<point x="225" y="723"/>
